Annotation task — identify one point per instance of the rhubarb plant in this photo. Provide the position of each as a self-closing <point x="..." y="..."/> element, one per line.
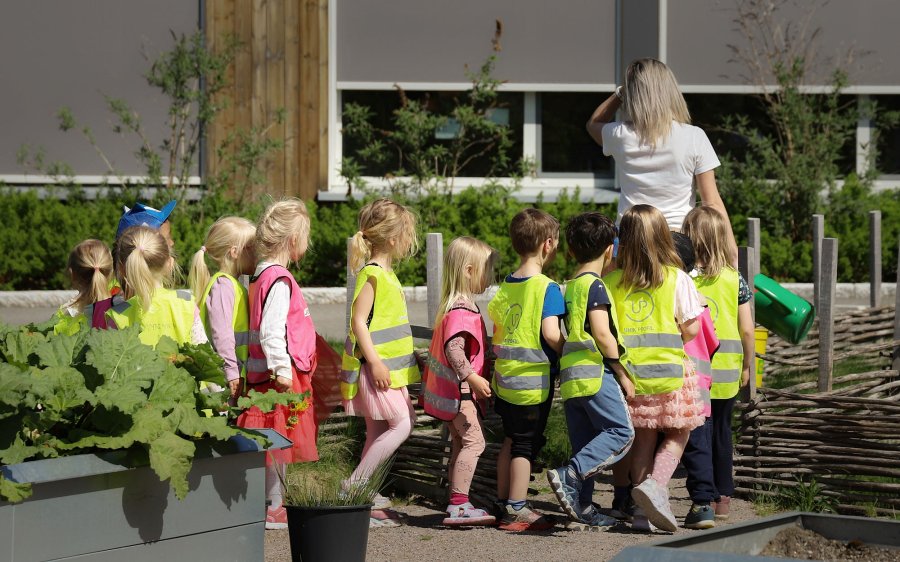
<point x="102" y="390"/>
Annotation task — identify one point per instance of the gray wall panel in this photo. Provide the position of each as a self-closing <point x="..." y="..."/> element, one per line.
<point x="56" y="53"/>
<point x="699" y="32"/>
<point x="564" y="41"/>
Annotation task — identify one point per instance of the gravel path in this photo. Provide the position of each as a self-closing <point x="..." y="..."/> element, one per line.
<point x="423" y="538"/>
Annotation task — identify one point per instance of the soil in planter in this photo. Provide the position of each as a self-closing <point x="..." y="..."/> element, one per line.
<point x="804" y="544"/>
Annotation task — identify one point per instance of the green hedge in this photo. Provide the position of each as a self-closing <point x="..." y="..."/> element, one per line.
<point x="37" y="234"/>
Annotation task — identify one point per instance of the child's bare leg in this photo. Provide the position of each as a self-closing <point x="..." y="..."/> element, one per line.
<point x="642" y="452"/>
<point x="519" y="476"/>
<point x="622" y="471"/>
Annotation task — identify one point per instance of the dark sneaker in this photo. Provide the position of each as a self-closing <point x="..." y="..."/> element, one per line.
<point x="594" y="518"/>
<point x="524" y="520"/>
<point x="700" y="517"/>
<point x="567" y="490"/>
<point x="654" y="500"/>
<point x="623" y="509"/>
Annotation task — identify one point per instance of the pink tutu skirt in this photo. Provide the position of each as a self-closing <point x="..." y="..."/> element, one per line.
<point x="375" y="404"/>
<point x="679" y="409"/>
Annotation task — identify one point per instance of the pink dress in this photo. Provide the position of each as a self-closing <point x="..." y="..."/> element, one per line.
<point x="375" y="404"/>
<point x="682" y="408"/>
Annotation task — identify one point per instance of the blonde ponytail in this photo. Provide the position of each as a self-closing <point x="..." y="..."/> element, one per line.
<point x="282" y="224"/>
<point x="90" y="264"/>
<point x="143" y="263"/>
<point x="198" y="275"/>
<point x="360" y="251"/>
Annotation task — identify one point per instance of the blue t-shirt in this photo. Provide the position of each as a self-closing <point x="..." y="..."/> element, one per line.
<point x="554" y="305"/>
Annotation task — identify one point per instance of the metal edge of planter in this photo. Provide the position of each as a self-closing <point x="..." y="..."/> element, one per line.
<point x="736" y="542"/>
<point x="91" y="464"/>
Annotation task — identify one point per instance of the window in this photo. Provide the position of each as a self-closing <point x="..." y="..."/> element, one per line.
<point x="565" y="143"/>
<point x="383" y="104"/>
<point x="888" y="158"/>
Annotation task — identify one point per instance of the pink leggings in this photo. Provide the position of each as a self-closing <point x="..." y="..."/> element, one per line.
<point x="383" y="438"/>
<point x="468" y="444"/>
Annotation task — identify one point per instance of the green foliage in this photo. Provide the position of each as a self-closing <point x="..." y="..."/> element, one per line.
<point x="103" y="390"/>
<point x="806" y="496"/>
<point x="557" y="450"/>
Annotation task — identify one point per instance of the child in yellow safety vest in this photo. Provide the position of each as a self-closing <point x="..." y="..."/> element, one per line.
<point x="729" y="297"/>
<point x="526" y="312"/>
<point x="378" y="361"/>
<point x="593" y="382"/>
<point x="656" y="310"/>
<point x="223" y="301"/>
<point x="90" y="268"/>
<point x="144" y="265"/>
<point x="456" y="374"/>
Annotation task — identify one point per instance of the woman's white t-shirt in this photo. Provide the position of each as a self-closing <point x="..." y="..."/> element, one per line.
<point x="661" y="177"/>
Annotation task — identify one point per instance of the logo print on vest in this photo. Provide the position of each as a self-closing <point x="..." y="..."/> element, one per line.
<point x="512" y="319"/>
<point x="639" y="306"/>
<point x="713" y="309"/>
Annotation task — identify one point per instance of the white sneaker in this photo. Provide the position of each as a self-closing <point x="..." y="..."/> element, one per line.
<point x="381" y="502"/>
<point x="639" y="521"/>
<point x="654" y="500"/>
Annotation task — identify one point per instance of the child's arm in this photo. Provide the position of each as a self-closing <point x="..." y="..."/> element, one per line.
<point x="745" y="325"/>
<point x="552" y="333"/>
<point x="273" y="334"/>
<point x="362" y="306"/>
<point x="219" y="311"/>
<point x="609" y="347"/>
<point x="455" y="352"/>
<point x="689" y="330"/>
<point x="551" y="318"/>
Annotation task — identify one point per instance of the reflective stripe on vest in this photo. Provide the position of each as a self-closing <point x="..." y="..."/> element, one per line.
<point x="581" y="363"/>
<point x="240" y="319"/>
<point x="171" y="313"/>
<point x="522" y="369"/>
<point x="441" y="386"/>
<point x="646" y="321"/>
<point x="390" y="332"/>
<point x="721" y="294"/>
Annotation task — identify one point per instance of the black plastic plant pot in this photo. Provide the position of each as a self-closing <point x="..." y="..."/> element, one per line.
<point x="329" y="533"/>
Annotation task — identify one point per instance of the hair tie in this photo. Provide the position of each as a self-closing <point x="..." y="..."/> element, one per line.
<point x="139" y="248"/>
<point x="203" y="249"/>
<point x="96" y="269"/>
<point x="362" y="234"/>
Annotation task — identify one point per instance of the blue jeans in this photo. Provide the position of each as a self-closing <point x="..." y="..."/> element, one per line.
<point x="722" y="450"/>
<point x="698" y="462"/>
<point x="600" y="432"/>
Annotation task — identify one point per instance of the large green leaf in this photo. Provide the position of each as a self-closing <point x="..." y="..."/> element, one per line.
<point x="59" y="389"/>
<point x="194" y="424"/>
<point x="19" y="346"/>
<point x="14" y="491"/>
<point x="174" y="386"/>
<point x="119" y="354"/>
<point x="170" y="458"/>
<point x="14" y="384"/>
<point x="202" y="362"/>
<point x="60" y="350"/>
<point x="125" y="397"/>
<point x="266" y="401"/>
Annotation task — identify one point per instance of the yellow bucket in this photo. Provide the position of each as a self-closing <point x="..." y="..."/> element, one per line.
<point x="762" y="336"/>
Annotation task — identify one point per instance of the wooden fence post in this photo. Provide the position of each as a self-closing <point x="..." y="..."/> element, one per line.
<point x="826" y="313"/>
<point x="895" y="364"/>
<point x="818" y="232"/>
<point x="434" y="246"/>
<point x="754" y="241"/>
<point x="747" y="267"/>
<point x="874" y="259"/>
<point x="351" y="281"/>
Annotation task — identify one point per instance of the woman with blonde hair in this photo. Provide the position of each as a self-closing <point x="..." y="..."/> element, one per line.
<point x="223" y="301"/>
<point x="660" y="157"/>
<point x="455" y="376"/>
<point x="144" y="267"/>
<point x="90" y="267"/>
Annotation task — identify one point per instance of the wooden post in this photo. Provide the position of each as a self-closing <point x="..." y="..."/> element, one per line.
<point x="754" y="241"/>
<point x="434" y="246"/>
<point x="826" y="313"/>
<point x="818" y="232"/>
<point x="351" y="282"/>
<point x="747" y="267"/>
<point x="895" y="364"/>
<point x="874" y="259"/>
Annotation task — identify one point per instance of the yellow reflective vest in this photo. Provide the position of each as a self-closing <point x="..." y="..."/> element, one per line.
<point x="390" y="332"/>
<point x="646" y="322"/>
<point x="171" y="313"/>
<point x="522" y="368"/>
<point x="240" y="318"/>
<point x="721" y="294"/>
<point x="67" y="324"/>
<point x="581" y="363"/>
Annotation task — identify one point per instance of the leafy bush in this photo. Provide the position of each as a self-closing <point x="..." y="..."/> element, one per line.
<point x="105" y="390"/>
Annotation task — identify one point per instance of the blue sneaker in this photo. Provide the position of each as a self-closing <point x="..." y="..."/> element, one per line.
<point x="567" y="489"/>
<point x="594" y="518"/>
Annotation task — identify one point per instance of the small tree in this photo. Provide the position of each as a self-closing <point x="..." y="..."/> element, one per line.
<point x="415" y="158"/>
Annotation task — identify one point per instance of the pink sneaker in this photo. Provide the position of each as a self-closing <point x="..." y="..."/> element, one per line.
<point x="276" y="518"/>
<point x="467" y="515"/>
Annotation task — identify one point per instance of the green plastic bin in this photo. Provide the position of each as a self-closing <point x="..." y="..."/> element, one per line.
<point x="781" y="311"/>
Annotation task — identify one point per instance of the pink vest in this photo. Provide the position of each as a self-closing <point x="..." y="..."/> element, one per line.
<point x="441" y="396"/>
<point x="301" y="333"/>
<point x="701" y="350"/>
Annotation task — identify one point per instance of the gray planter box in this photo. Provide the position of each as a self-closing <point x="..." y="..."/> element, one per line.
<point x="112" y="506"/>
<point x="744" y="541"/>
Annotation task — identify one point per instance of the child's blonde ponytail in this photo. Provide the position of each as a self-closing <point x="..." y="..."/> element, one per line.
<point x="360" y="250"/>
<point x="380" y="222"/>
<point x="143" y="262"/>
<point x="90" y="264"/>
<point x="198" y="275"/>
